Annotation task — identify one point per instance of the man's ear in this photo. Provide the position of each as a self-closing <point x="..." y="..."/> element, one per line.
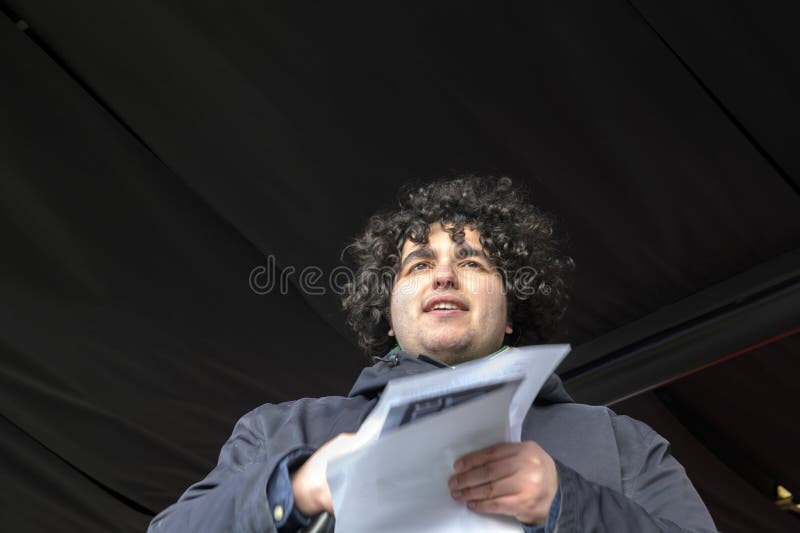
<point x="389" y="320"/>
<point x="509" y="329"/>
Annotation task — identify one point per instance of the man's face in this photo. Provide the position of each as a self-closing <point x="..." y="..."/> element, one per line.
<point x="448" y="301"/>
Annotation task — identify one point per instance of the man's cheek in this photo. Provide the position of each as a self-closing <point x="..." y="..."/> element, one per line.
<point x="405" y="288"/>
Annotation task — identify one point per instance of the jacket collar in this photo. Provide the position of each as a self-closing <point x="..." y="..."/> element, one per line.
<point x="398" y="364"/>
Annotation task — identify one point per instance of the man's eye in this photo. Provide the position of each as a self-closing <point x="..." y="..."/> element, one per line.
<point x="419" y="266"/>
<point x="472" y="264"/>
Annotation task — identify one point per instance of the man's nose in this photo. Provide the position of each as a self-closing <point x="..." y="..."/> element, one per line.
<point x="444" y="277"/>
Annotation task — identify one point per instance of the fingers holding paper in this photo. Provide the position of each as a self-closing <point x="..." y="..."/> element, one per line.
<point x="518" y="479"/>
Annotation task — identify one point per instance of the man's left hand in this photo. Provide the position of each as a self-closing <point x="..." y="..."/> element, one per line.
<point x="514" y="478"/>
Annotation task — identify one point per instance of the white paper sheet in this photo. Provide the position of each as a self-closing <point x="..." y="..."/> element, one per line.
<point x="397" y="478"/>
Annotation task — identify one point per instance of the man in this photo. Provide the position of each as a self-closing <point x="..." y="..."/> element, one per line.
<point x="473" y="266"/>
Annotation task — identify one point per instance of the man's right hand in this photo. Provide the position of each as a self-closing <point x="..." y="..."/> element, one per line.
<point x="309" y="484"/>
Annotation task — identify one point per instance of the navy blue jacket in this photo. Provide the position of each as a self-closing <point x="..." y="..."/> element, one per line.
<point x="615" y="473"/>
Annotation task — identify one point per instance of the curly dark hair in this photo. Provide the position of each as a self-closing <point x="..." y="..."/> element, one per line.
<point x="515" y="235"/>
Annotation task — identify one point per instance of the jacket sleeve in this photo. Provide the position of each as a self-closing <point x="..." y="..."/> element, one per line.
<point x="657" y="496"/>
<point x="233" y="496"/>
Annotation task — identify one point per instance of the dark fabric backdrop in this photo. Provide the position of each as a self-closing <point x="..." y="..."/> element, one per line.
<point x="154" y="153"/>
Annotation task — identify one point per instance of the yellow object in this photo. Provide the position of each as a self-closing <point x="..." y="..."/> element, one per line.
<point x="277" y="513"/>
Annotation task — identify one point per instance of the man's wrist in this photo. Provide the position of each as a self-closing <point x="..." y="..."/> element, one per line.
<point x="304" y="499"/>
<point x="551" y="519"/>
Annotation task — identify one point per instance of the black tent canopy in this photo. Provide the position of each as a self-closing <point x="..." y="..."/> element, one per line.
<point x="156" y="155"/>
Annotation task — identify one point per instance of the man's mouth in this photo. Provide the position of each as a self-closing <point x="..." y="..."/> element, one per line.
<point x="445" y="305"/>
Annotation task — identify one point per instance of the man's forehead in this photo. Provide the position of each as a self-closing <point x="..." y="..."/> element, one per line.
<point x="470" y="242"/>
<point x="463" y="245"/>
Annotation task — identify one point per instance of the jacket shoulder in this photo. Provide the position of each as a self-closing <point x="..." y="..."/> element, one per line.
<point x="313" y="420"/>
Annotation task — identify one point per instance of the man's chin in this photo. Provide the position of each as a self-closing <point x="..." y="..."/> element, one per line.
<point x="450" y="351"/>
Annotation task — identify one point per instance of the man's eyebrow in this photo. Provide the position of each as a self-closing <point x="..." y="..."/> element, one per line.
<point x="465" y="250"/>
<point x="419" y="253"/>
